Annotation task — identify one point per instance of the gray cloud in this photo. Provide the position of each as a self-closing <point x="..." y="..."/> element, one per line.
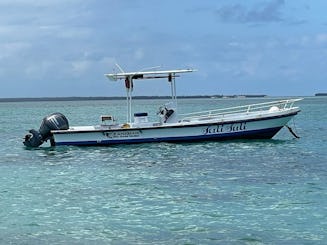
<point x="263" y="12"/>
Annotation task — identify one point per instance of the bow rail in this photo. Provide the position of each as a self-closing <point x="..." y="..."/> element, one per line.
<point x="280" y="105"/>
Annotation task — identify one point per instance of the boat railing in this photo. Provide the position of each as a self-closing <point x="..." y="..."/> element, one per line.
<point x="246" y="109"/>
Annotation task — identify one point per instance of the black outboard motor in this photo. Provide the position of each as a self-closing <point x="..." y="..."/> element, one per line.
<point x="55" y="121"/>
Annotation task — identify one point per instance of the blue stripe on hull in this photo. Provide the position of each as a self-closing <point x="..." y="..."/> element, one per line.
<point x="253" y="134"/>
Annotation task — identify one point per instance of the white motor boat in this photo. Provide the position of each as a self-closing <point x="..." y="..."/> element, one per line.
<point x="254" y="121"/>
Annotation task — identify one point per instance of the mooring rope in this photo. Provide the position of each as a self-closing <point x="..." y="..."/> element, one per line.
<point x="292" y="132"/>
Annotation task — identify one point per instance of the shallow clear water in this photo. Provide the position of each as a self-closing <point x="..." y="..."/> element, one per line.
<point x="233" y="192"/>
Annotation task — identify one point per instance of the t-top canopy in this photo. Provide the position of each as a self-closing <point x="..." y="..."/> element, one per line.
<point x="130" y="76"/>
<point x="147" y="74"/>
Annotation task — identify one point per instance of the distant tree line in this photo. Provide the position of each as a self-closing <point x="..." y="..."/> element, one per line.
<point x="123" y="98"/>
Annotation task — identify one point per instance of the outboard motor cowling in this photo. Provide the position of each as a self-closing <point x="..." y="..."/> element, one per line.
<point x="55" y="121"/>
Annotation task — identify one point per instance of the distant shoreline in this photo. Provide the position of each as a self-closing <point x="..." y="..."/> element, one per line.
<point x="81" y="98"/>
<point x="321" y="94"/>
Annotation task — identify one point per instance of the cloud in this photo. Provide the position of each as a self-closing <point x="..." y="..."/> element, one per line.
<point x="12" y="49"/>
<point x="81" y="66"/>
<point x="321" y="38"/>
<point x="59" y="45"/>
<point x="139" y="54"/>
<point x="264" y="12"/>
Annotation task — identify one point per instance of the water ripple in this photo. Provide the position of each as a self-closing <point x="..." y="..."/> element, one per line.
<point x="234" y="192"/>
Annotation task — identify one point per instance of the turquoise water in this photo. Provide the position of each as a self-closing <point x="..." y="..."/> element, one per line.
<point x="233" y="192"/>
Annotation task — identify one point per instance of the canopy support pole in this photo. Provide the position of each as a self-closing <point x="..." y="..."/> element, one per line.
<point x="129" y="90"/>
<point x="171" y="79"/>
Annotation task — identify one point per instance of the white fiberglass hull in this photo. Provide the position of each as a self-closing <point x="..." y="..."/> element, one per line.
<point x="258" y="127"/>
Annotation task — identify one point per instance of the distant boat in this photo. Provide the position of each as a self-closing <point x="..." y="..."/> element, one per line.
<point x="321" y="94"/>
<point x="254" y="121"/>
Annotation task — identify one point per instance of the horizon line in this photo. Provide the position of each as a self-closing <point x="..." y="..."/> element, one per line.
<point x="89" y="98"/>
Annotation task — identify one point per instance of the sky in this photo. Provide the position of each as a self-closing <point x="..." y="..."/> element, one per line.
<point x="58" y="48"/>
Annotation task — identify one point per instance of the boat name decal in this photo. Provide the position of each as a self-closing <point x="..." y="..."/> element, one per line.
<point x="123" y="134"/>
<point x="224" y="128"/>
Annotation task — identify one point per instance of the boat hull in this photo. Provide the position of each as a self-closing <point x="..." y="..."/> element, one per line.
<point x="255" y="128"/>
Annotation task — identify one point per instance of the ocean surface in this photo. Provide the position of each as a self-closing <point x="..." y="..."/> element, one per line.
<point x="232" y="192"/>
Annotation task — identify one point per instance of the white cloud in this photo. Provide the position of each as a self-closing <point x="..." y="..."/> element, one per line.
<point x="251" y="64"/>
<point x="321" y="38"/>
<point x="39" y="71"/>
<point x="13" y="49"/>
<point x="74" y="33"/>
<point x="36" y="3"/>
<point x="81" y="66"/>
<point x="139" y="54"/>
